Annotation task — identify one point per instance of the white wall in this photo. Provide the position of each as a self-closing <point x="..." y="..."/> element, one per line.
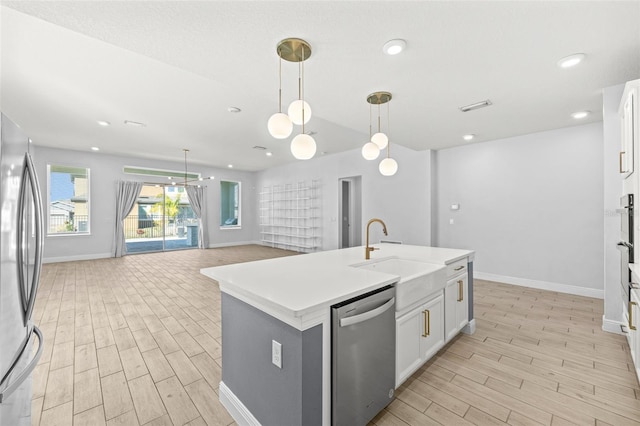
<point x="105" y="171"/>
<point x="531" y="206"/>
<point x="612" y="193"/>
<point x="402" y="201"/>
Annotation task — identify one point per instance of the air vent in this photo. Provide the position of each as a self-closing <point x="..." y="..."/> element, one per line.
<point x="259" y="147"/>
<point x="477" y="105"/>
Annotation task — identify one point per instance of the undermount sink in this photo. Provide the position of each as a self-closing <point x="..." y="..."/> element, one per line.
<point x="417" y="279"/>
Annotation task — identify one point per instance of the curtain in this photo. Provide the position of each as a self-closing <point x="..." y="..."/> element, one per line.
<point x="196" y="198"/>
<point x="126" y="196"/>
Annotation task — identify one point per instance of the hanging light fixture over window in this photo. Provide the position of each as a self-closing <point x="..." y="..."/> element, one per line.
<point x="280" y="125"/>
<point x="186" y="174"/>
<point x="388" y="166"/>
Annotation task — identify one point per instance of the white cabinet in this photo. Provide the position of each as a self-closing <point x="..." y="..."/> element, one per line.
<point x="419" y="335"/>
<point x="629" y="131"/>
<point x="456" y="296"/>
<point x="633" y="335"/>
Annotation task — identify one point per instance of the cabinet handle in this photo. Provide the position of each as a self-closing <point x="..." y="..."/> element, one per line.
<point x="427" y="323"/>
<point x="460" y="291"/>
<point x="620" y="158"/>
<point x="462" y="267"/>
<point x="631" y="326"/>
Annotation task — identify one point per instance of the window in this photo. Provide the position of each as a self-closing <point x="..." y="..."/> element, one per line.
<point x="68" y="200"/>
<point x="229" y="204"/>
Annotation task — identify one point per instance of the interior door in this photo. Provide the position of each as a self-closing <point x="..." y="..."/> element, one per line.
<point x="346" y="214"/>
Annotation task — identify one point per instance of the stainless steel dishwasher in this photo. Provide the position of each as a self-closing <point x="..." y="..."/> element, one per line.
<point x="363" y="338"/>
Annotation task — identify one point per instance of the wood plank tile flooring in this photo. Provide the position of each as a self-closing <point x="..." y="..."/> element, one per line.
<point x="137" y="341"/>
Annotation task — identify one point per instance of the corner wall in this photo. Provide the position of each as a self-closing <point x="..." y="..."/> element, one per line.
<point x="530" y="206"/>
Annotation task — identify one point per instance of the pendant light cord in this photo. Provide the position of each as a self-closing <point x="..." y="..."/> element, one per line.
<point x="388" y="131"/>
<point x="280" y="82"/>
<point x="185" y="167"/>
<point x="301" y="86"/>
<point x="370" y="134"/>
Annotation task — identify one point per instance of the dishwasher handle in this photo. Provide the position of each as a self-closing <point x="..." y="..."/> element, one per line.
<point x="345" y="322"/>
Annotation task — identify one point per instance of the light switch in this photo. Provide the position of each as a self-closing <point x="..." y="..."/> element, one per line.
<point x="451" y="221"/>
<point x="276" y="353"/>
<point x="455" y="206"/>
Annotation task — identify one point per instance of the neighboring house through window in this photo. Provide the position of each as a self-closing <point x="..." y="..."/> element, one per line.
<point x="229" y="204"/>
<point x="68" y="208"/>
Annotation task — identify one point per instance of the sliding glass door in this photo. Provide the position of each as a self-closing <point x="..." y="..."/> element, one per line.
<point x="161" y="220"/>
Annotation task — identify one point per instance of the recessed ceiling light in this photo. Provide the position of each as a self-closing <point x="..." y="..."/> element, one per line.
<point x="269" y="154"/>
<point x="103" y="123"/>
<point x="393" y="47"/>
<point x="571" y="60"/>
<point x="234" y="109"/>
<point x="230" y="166"/>
<point x="468" y="137"/>
<point x="580" y="114"/>
<point x="95" y="148"/>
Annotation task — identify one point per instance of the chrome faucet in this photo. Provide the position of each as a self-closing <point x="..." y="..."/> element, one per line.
<point x="368" y="249"/>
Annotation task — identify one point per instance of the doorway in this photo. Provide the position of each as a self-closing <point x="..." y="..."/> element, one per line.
<point x="161" y="220"/>
<point x="350" y="208"/>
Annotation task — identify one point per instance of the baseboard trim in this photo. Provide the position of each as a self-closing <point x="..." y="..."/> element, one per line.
<point x="235" y="243"/>
<point x="470" y="328"/>
<point x="77" y="257"/>
<point x="612" y="326"/>
<point x="235" y="407"/>
<point x="542" y="285"/>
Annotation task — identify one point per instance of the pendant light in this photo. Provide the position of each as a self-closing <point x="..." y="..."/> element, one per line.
<point x="388" y="166"/>
<point x="187" y="181"/>
<point x="379" y="138"/>
<point x="370" y="151"/>
<point x="279" y="124"/>
<point x="303" y="146"/>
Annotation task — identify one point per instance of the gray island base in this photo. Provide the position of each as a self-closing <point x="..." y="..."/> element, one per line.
<point x="276" y="325"/>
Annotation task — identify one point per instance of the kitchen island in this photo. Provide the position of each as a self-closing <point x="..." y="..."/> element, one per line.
<point x="288" y="300"/>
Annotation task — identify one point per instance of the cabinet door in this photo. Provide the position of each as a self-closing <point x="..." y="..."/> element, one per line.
<point x="408" y="351"/>
<point x="634" y="335"/>
<point x="462" y="301"/>
<point x="456" y="305"/>
<point x="627" y="135"/>
<point x="450" y="302"/>
<point x="432" y="337"/>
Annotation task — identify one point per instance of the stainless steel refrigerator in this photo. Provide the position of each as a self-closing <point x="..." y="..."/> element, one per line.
<point x="21" y="241"/>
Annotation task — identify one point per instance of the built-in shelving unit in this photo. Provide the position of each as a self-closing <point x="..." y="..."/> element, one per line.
<point x="290" y="216"/>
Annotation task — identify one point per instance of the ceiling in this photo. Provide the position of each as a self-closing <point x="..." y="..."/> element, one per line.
<point x="177" y="66"/>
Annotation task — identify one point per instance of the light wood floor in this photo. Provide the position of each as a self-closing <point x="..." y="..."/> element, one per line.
<point x="136" y="341"/>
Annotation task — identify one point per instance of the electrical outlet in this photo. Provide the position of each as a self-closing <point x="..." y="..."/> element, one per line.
<point x="276" y="353"/>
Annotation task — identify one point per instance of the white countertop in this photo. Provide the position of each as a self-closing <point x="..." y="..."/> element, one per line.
<point x="296" y="289"/>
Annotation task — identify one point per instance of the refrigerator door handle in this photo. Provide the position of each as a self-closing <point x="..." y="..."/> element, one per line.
<point x="7" y="390"/>
<point x="29" y="181"/>
<point x="39" y="222"/>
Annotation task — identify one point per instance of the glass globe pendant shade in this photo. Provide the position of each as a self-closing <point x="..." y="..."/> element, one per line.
<point x="388" y="167"/>
<point x="380" y="139"/>
<point x="280" y="125"/>
<point x="303" y="147"/>
<point x="295" y="112"/>
<point x="370" y="151"/>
